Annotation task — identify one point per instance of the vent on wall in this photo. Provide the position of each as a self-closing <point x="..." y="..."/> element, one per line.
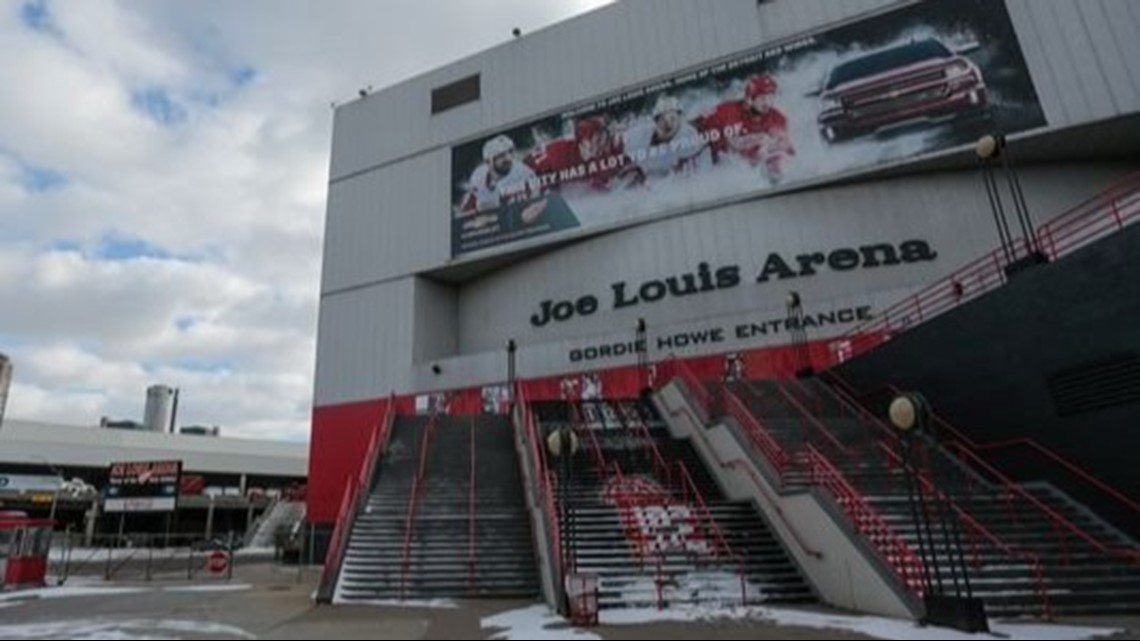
<point x="1095" y="386"/>
<point x="455" y="94"/>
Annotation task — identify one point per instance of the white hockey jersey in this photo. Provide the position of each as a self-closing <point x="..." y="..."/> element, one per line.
<point x="488" y="190"/>
<point x="684" y="153"/>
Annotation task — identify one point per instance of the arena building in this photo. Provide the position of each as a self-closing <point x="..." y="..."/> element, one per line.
<point x="681" y="197"/>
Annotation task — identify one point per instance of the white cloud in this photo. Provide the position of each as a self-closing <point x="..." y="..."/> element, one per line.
<point x="226" y="202"/>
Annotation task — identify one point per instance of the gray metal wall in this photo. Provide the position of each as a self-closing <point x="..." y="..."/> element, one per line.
<point x="5" y="384"/>
<point x="364" y="342"/>
<point x="949" y="210"/>
<point x="1082" y="54"/>
<point x="436" y="329"/>
<point x="387" y="337"/>
<point x="388" y="222"/>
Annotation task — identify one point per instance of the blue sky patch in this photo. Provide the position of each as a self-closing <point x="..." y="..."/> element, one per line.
<point x="35" y="15"/>
<point x="67" y="246"/>
<point x="41" y="179"/>
<point x="211" y="100"/>
<point x="157" y="104"/>
<point x="243" y="76"/>
<point x="203" y="365"/>
<point x="121" y="248"/>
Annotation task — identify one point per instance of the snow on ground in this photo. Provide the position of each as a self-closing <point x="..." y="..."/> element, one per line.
<point x="256" y="551"/>
<point x="107" y="628"/>
<point x="432" y="604"/>
<point x="687" y="614"/>
<point x="535" y="622"/>
<point x="76" y="580"/>
<point x="539" y="622"/>
<point x="85" y="555"/>
<point x="89" y="555"/>
<point x="104" y="589"/>
<point x="67" y="591"/>
<point x="228" y="587"/>
<point x="884" y="628"/>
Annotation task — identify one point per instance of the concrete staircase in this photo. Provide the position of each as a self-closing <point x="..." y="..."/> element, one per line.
<point x="278" y="520"/>
<point x="1025" y="561"/>
<point x="658" y="548"/>
<point x="452" y="551"/>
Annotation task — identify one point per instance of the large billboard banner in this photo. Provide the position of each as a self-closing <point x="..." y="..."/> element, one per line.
<point x="927" y="77"/>
<point x="143" y="486"/>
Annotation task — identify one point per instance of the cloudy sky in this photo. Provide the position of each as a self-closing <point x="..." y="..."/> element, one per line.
<point x="163" y="171"/>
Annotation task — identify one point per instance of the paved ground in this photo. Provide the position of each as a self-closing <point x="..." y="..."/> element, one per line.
<point x="274" y="603"/>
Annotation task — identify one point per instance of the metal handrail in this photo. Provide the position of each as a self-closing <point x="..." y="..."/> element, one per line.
<point x="813" y="421"/>
<point x="970" y="455"/>
<point x="868" y="522"/>
<point x="742" y="464"/>
<point x="354" y="494"/>
<point x="471" y="515"/>
<point x="1058" y="520"/>
<point x="977" y="528"/>
<point x="413" y="503"/>
<point x="660" y="467"/>
<point x="1110" y="210"/>
<point x="758" y="435"/>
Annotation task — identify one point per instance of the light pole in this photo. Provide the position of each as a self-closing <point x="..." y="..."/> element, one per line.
<point x="991" y="148"/>
<point x="562" y="444"/>
<point x="56" y="487"/>
<point x="642" y="346"/>
<point x="949" y="603"/>
<point x="511" y="348"/>
<point x="800" y="349"/>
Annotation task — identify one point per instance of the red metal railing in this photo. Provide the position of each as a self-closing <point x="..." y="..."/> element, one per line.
<point x="975" y="529"/>
<point x="968" y="452"/>
<point x="1060" y="524"/>
<point x="692" y="495"/>
<point x="758" y="436"/>
<point x="721" y="550"/>
<point x="339" y="541"/>
<point x="978" y="533"/>
<point x="1055" y="458"/>
<point x="661" y="469"/>
<point x="413" y="502"/>
<point x="848" y="399"/>
<point x="868" y="522"/>
<point x="740" y="464"/>
<point x="1107" y="212"/>
<point x="356" y="490"/>
<point x="543" y="485"/>
<point x="699" y="394"/>
<point x="588" y="435"/>
<point x="379" y="445"/>
<point x="812" y="423"/>
<point x="1078" y="472"/>
<point x="471" y="515"/>
<point x="628" y="498"/>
